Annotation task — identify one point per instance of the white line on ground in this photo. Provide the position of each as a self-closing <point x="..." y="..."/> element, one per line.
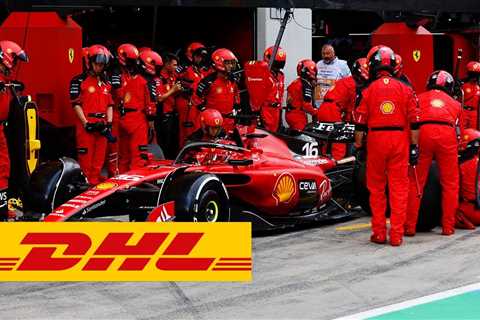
<point x="411" y="303"/>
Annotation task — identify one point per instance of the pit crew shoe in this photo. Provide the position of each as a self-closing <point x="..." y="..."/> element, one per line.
<point x="396" y="241"/>
<point x="448" y="231"/>
<point x="462" y="222"/>
<point x="377" y="238"/>
<point x="409" y="232"/>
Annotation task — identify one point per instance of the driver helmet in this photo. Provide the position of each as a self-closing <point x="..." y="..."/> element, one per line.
<point x="211" y="121"/>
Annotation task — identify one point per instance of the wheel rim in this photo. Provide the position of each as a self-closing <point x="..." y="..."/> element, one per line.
<point x="211" y="211"/>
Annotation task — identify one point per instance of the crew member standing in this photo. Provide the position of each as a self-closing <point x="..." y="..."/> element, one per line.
<point x="471" y="95"/>
<point x="139" y="106"/>
<point x="219" y="89"/>
<point x="271" y="109"/>
<point x="440" y="115"/>
<point x="10" y="53"/>
<point x="388" y="108"/>
<point x="93" y="105"/>
<point x="300" y="95"/>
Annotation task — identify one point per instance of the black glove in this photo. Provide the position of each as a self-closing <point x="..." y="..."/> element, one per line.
<point x="90" y="127"/>
<point x="2" y="86"/>
<point x="106" y="131"/>
<point x="414" y="154"/>
<point x="18" y="85"/>
<point x="307" y="89"/>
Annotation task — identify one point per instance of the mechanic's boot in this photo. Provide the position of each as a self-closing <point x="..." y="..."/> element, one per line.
<point x="448" y="231"/>
<point x="378" y="238"/>
<point x="410" y="231"/>
<point x="396" y="241"/>
<point x="462" y="222"/>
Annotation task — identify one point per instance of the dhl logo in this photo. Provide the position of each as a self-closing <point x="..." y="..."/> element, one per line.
<point x="104" y="251"/>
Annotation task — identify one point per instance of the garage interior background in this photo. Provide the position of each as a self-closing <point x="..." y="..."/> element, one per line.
<point x="248" y="29"/>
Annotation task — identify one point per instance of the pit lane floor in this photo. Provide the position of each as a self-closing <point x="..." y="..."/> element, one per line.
<point x="317" y="273"/>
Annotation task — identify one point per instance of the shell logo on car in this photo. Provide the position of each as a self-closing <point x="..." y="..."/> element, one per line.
<point x="285" y="188"/>
<point x="106" y="186"/>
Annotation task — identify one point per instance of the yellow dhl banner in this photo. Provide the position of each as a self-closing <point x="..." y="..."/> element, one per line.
<point x="123" y="251"/>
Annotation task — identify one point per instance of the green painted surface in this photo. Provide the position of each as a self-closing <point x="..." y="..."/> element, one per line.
<point x="460" y="307"/>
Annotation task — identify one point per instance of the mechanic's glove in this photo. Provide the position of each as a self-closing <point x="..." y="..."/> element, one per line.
<point x="18" y="85"/>
<point x="90" y="127"/>
<point x="107" y="133"/>
<point x="201" y="107"/>
<point x="307" y="90"/>
<point x="2" y="86"/>
<point x="414" y="154"/>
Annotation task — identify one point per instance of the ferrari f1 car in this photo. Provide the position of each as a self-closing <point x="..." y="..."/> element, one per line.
<point x="258" y="179"/>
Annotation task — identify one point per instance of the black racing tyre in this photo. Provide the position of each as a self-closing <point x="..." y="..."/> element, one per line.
<point x="430" y="212"/>
<point x="360" y="183"/>
<point x="199" y="197"/>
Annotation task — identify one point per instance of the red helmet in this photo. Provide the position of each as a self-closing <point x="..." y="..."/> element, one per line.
<point x="373" y="50"/>
<point x="211" y="121"/>
<point x="470" y="139"/>
<point x="127" y="51"/>
<point x="280" y="57"/>
<point x="381" y="59"/>
<point x="360" y="69"/>
<point x="193" y="48"/>
<point x="10" y="52"/>
<point x="473" y="67"/>
<point x="99" y="54"/>
<point x="150" y="61"/>
<point x="398" y="69"/>
<point x="307" y="69"/>
<point x="441" y="80"/>
<point x="220" y="56"/>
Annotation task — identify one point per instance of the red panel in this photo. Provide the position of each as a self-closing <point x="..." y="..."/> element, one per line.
<point x="405" y="41"/>
<point x="460" y="41"/>
<point x="47" y="40"/>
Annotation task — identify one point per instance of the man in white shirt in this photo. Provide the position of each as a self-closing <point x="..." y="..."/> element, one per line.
<point x="330" y="69"/>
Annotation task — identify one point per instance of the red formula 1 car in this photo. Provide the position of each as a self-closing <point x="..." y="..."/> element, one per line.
<point x="257" y="179"/>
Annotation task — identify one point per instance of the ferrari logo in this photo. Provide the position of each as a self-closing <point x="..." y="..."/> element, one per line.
<point x="284" y="188"/>
<point x="386" y="80"/>
<point x="416" y="55"/>
<point x="437" y="103"/>
<point x="106" y="186"/>
<point x="91" y="89"/>
<point x="387" y="107"/>
<point x="468" y="90"/>
<point x="71" y="55"/>
<point x="219" y="90"/>
<point x="217" y="121"/>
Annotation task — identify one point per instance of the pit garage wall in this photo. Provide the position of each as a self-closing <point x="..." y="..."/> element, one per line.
<point x="297" y="39"/>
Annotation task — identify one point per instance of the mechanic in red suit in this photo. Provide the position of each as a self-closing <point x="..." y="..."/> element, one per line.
<point x="211" y="122"/>
<point x="468" y="215"/>
<point x="471" y="94"/>
<point x="440" y="115"/>
<point x="188" y="115"/>
<point x="93" y="106"/>
<point x="271" y="110"/>
<point x="339" y="102"/>
<point x="127" y="57"/>
<point x="10" y="54"/>
<point x="300" y="95"/>
<point x="219" y="89"/>
<point x="388" y="110"/>
<point x="166" y="122"/>
<point x="139" y="107"/>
